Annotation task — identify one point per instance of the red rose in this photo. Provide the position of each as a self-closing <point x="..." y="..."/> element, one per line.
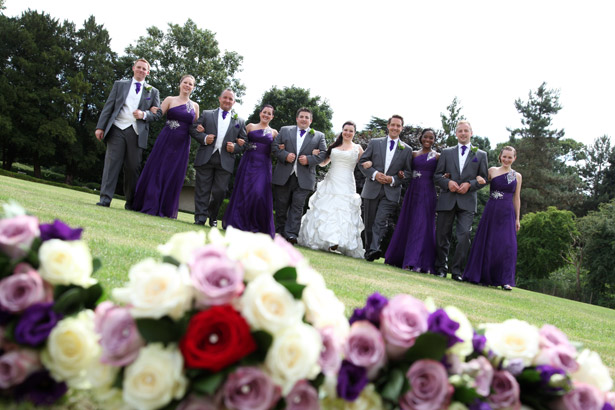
<point x="216" y="338"/>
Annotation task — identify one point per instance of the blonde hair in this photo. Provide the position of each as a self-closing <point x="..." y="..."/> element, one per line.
<point x="463" y="122"/>
<point x="144" y="61"/>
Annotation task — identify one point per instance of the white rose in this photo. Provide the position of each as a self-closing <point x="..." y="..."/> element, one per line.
<point x="369" y="399"/>
<point x="181" y="245"/>
<point x="267" y="305"/>
<point x="66" y="263"/>
<point x="465" y="333"/>
<point x="156" y="289"/>
<point x="324" y="309"/>
<point x="155" y="378"/>
<point x="100" y="377"/>
<point x="293" y="355"/>
<point x="592" y="371"/>
<point x="308" y="276"/>
<point x="71" y="348"/>
<point x="513" y="339"/>
<point x="256" y="251"/>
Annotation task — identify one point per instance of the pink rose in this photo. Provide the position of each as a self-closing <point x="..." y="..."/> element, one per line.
<point x="119" y="337"/>
<point x="248" y="388"/>
<point x="429" y="387"/>
<point x="194" y="402"/>
<point x="481" y="371"/>
<point x="609" y="397"/>
<point x="581" y="397"/>
<point x="551" y="336"/>
<point x="365" y="347"/>
<point x="331" y="355"/>
<point x="17" y="235"/>
<point x="303" y="396"/>
<point x="21" y="290"/>
<point x="217" y="279"/>
<point x="16" y="365"/>
<point x="402" y="320"/>
<point x="293" y="254"/>
<point x="558" y="356"/>
<point x="506" y="391"/>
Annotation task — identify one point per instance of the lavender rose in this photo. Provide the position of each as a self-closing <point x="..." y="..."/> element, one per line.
<point x="248" y="388"/>
<point x="35" y="324"/>
<point x="402" y="320"/>
<point x="365" y="347"/>
<point x="21" y="290"/>
<point x="119" y="337"/>
<point x="59" y="230"/>
<point x="551" y="336"/>
<point x="216" y="278"/>
<point x="194" y="402"/>
<point x="331" y="354"/>
<point x="559" y="356"/>
<point x="429" y="387"/>
<point x="505" y="391"/>
<point x="582" y="397"/>
<point x="295" y="257"/>
<point x="439" y="322"/>
<point x="303" y="396"/>
<point x="17" y="235"/>
<point x="481" y="371"/>
<point x="351" y="380"/>
<point x="16" y="365"/>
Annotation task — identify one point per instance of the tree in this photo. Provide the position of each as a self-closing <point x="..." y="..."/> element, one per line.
<point x="450" y="121"/>
<point x="286" y="101"/>
<point x="594" y="172"/>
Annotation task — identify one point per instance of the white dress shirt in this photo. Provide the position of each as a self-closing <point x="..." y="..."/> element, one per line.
<point x="125" y="118"/>
<point x="223" y="124"/>
<point x="462" y="158"/>
<point x="299" y="144"/>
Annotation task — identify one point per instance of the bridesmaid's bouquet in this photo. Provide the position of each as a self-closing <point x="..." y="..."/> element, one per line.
<point x="237" y="321"/>
<point x="405" y="354"/>
<point x="47" y="341"/>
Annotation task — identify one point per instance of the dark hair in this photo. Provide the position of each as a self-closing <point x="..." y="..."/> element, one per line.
<point x="340" y="139"/>
<point x="304" y="109"/>
<point x="398" y="117"/>
<point x="423" y="133"/>
<point x="267" y="106"/>
<point x="228" y="89"/>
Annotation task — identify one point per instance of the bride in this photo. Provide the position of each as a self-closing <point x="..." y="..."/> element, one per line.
<point x="333" y="221"/>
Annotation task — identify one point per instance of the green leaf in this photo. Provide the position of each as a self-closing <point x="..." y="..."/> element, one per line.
<point x="163" y="330"/>
<point x="294" y="288"/>
<point x="393" y="387"/>
<point x="318" y="381"/>
<point x="286" y="274"/>
<point x="263" y="343"/>
<point x="208" y="384"/>
<point x="6" y="267"/>
<point x="171" y="260"/>
<point x="465" y="394"/>
<point x="530" y="375"/>
<point x="429" y="345"/>
<point x="119" y="379"/>
<point x="96" y="265"/>
<point x="70" y="302"/>
<point x="92" y="295"/>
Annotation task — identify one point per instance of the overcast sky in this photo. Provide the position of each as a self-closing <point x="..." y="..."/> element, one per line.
<point x="383" y="57"/>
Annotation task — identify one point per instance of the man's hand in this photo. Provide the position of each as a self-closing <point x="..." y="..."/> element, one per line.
<point x="452" y="186"/>
<point x="463" y="188"/>
<point x="367" y="164"/>
<point x="99" y="134"/>
<point x="315" y="151"/>
<point x="303" y="160"/>
<point x="291" y="157"/>
<point x="281" y="147"/>
<point x="230" y="147"/>
<point x="481" y="180"/>
<point x="200" y="128"/>
<point x="138" y="114"/>
<point x="209" y="139"/>
<point x="154" y="109"/>
<point x="240" y="142"/>
<point x="384" y="179"/>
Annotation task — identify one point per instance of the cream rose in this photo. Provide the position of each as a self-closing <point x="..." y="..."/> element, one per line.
<point x="513" y="339"/>
<point x="323" y="308"/>
<point x="181" y="245"/>
<point x="267" y="305"/>
<point x="465" y="333"/>
<point x="592" y="371"/>
<point x="100" y="377"/>
<point x="368" y="400"/>
<point x="66" y="263"/>
<point x="71" y="348"/>
<point x="294" y="355"/>
<point x="156" y="289"/>
<point x="155" y="378"/>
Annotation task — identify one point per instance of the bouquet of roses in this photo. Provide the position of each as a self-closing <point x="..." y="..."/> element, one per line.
<point x="405" y="354"/>
<point x="239" y="322"/>
<point x="47" y="343"/>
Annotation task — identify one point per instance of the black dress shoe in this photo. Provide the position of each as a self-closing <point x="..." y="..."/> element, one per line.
<point x="213" y="224"/>
<point x="457" y="277"/>
<point x="372" y="256"/>
<point x="105" y="204"/>
<point x="292" y="240"/>
<point x="199" y="223"/>
<point x="128" y="207"/>
<point x="440" y="274"/>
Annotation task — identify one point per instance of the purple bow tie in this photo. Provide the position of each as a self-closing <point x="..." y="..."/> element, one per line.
<point x="302" y="133"/>
<point x="391" y="145"/>
<point x="138" y="85"/>
<point x="463" y="149"/>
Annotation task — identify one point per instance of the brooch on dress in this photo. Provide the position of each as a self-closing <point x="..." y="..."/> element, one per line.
<point x="416" y="174"/>
<point x="431" y="155"/>
<point x="511" y="176"/>
<point x="173" y="124"/>
<point x="497" y="195"/>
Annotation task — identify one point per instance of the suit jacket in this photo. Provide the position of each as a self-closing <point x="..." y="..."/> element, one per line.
<point x="209" y="120"/>
<point x="376" y="153"/>
<point x="476" y="164"/>
<point x="306" y="174"/>
<point x="149" y="98"/>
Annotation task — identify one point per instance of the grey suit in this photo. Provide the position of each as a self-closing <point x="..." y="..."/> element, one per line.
<point x="125" y="146"/>
<point x="452" y="204"/>
<point x="380" y="200"/>
<point x="214" y="170"/>
<point x="290" y="190"/>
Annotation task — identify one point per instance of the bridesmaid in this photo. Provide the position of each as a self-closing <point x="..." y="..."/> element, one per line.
<point x="251" y="205"/>
<point x="413" y="245"/>
<point x="493" y="256"/>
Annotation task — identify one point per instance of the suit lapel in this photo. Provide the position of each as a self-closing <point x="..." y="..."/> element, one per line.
<point x="216" y="113"/>
<point x="383" y="151"/>
<point x="306" y="140"/>
<point x="292" y="141"/>
<point x="126" y="90"/>
<point x="470" y="157"/>
<point x="456" y="160"/>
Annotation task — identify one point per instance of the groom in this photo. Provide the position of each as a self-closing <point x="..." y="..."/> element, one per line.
<point x="463" y="163"/>
<point x="217" y="133"/>
<point x="294" y="176"/>
<point x="124" y="126"/>
<point x="382" y="188"/>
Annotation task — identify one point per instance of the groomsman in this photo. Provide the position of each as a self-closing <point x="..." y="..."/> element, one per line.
<point x="294" y="176"/>
<point x="124" y="126"/>
<point x="217" y="132"/>
<point x="457" y="200"/>
<point x="382" y="189"/>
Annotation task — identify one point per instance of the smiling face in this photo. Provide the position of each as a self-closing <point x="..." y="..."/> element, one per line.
<point x="140" y="70"/>
<point x="507" y="157"/>
<point x="348" y="132"/>
<point x="227" y="99"/>
<point x="266" y="115"/>
<point x="395" y="127"/>
<point x="304" y="119"/>
<point x="186" y="85"/>
<point x="463" y="133"/>
<point x="427" y="139"/>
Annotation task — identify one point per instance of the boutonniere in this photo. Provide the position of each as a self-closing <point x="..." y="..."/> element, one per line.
<point x="474" y="149"/>
<point x="235" y="116"/>
<point x="311" y="131"/>
<point x="148" y="88"/>
<point x="400" y="145"/>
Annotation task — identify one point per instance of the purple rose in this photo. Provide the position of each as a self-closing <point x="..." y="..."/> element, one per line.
<point x="35" y="324"/>
<point x="429" y="387"/>
<point x="21" y="290"/>
<point x="248" y="388"/>
<point x="41" y="389"/>
<point x="505" y="391"/>
<point x="402" y="320"/>
<point x="303" y="396"/>
<point x="351" y="380"/>
<point x="59" y="230"/>
<point x="365" y="347"/>
<point x="331" y="354"/>
<point x="194" y="402"/>
<point x="439" y="322"/>
<point x="551" y="336"/>
<point x="581" y="397"/>
<point x="17" y="235"/>
<point x="217" y="279"/>
<point x="478" y="342"/>
<point x="559" y="356"/>
<point x="357" y="314"/>
<point x="16" y="365"/>
<point x="373" y="307"/>
<point x="120" y="340"/>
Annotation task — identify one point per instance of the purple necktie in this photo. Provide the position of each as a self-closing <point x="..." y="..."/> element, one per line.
<point x="138" y="85"/>
<point x="391" y="145"/>
<point x="463" y="149"/>
<point x="224" y="114"/>
<point x="302" y="133"/>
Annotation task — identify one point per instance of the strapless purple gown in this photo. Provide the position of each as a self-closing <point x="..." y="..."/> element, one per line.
<point x="493" y="257"/>
<point x="413" y="245"/>
<point x="251" y="205"/>
<point x="162" y="179"/>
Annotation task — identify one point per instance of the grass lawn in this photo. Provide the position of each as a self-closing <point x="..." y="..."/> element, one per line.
<point x="121" y="238"/>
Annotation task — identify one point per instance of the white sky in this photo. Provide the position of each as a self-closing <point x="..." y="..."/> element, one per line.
<point x="382" y="57"/>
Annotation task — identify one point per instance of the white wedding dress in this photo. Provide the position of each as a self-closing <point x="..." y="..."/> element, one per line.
<point x="334" y="214"/>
